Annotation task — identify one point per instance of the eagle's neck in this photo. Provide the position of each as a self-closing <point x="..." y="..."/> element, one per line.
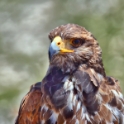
<point x="95" y="62"/>
<point x="97" y="67"/>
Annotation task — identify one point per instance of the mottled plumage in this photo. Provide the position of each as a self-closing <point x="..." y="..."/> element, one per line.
<point x="75" y="89"/>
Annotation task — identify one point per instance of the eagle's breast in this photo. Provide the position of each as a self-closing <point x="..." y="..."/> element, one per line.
<point x="71" y="94"/>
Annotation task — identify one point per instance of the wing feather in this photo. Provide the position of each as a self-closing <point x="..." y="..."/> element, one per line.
<point x="111" y="109"/>
<point x="29" y="112"/>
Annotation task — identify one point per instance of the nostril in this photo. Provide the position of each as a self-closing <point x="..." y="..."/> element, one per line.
<point x="58" y="43"/>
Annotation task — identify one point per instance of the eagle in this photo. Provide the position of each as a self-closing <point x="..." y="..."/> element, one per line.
<point x="75" y="89"/>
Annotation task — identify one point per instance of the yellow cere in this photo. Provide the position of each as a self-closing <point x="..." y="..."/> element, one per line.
<point x="61" y="44"/>
<point x="57" y="39"/>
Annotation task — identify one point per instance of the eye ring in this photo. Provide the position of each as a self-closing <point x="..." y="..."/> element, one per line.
<point x="77" y="42"/>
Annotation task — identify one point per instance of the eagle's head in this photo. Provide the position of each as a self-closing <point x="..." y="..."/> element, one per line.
<point x="72" y="46"/>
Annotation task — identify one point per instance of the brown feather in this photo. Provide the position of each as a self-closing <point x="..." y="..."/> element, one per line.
<point x="29" y="112"/>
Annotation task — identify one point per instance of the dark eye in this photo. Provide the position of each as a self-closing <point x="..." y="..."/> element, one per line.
<point x="77" y="42"/>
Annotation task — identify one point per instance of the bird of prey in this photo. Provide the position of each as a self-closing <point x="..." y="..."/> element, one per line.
<point x="75" y="89"/>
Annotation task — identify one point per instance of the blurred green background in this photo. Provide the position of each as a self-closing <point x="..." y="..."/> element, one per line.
<point x="24" y="28"/>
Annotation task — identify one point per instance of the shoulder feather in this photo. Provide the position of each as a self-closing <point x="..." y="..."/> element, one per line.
<point x="30" y="105"/>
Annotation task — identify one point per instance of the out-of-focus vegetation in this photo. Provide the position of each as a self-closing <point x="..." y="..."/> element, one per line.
<point x="24" y="26"/>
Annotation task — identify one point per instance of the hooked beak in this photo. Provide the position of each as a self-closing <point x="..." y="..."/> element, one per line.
<point x="57" y="46"/>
